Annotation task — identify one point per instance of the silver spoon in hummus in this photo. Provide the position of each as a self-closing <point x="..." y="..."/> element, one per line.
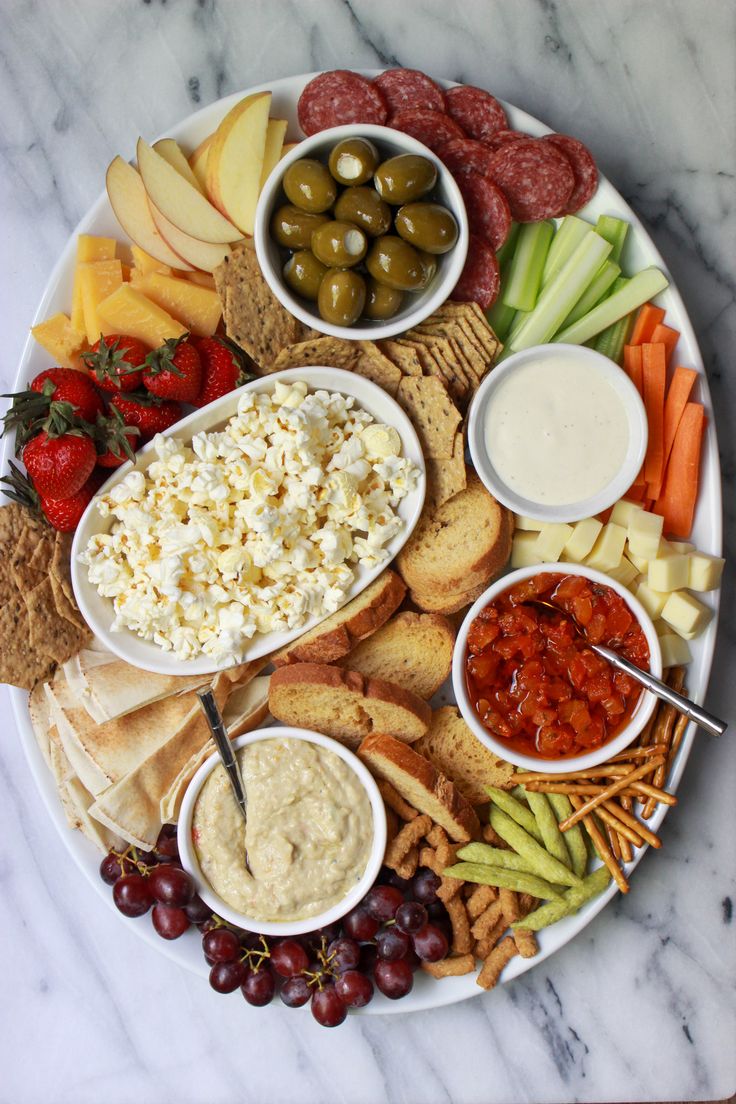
<point x="227" y="755"/>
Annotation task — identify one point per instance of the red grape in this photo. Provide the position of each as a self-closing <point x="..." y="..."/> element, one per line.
<point x="226" y="977"/>
<point x="167" y="847"/>
<point x="410" y="917"/>
<point x="198" y="910"/>
<point x="392" y="944"/>
<point x="132" y="895"/>
<point x="360" y="925"/>
<point x="259" y="987"/>
<point x="328" y="1008"/>
<point x="398" y="882"/>
<point x="295" y="992"/>
<point x="169" y="922"/>
<point x="430" y="943"/>
<point x="221" y="945"/>
<point x="424" y="886"/>
<point x="113" y="866"/>
<point x="354" y="989"/>
<point x="382" y="902"/>
<point x="368" y="958"/>
<point x="171" y="885"/>
<point x="289" y="958"/>
<point x="344" y="954"/>
<point x="394" y="979"/>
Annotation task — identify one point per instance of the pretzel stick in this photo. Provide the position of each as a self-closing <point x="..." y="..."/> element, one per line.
<point x="610" y="791"/>
<point x="662" y="796"/>
<point x="626" y="853"/>
<point x="611" y="819"/>
<point x="601" y="846"/>
<point x="660" y="774"/>
<point x="614" y="842"/>
<point x="633" y="823"/>
<point x="615" y="766"/>
<point x="680" y="728"/>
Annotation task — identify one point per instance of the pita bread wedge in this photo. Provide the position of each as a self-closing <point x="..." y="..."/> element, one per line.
<point x="38" y="707"/>
<point x="84" y="768"/>
<point x="78" y="800"/>
<point x="114" y="690"/>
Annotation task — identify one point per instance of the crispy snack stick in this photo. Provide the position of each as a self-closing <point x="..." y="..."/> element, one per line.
<point x="571" y="900"/>
<point x="428" y="857"/>
<point x="449" y="887"/>
<point x="509" y="901"/>
<point x="395" y="801"/>
<point x="574" y="836"/>
<point x="479" y="900"/>
<point x="495" y="963"/>
<point x="526" y="943"/>
<point x="508" y="879"/>
<point x="483" y="947"/>
<point x="609" y="791"/>
<point x="489" y="918"/>
<point x="462" y="940"/>
<point x="630" y="820"/>
<point x="494" y="856"/>
<point x="542" y="863"/>
<point x="451" y="967"/>
<point x="406" y="839"/>
<point x="407" y="868"/>
<point x="602" y="847"/>
<point x="552" y="837"/>
<point x="515" y="810"/>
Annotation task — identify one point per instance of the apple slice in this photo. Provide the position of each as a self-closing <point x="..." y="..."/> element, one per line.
<point x="275" y="134"/>
<point x="129" y="201"/>
<point x="179" y="201"/>
<point x="235" y="160"/>
<point x="201" y="254"/>
<point x="198" y="161"/>
<point x="171" y="152"/>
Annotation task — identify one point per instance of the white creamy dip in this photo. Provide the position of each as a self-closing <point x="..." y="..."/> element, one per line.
<point x="308" y="834"/>
<point x="556" y="431"/>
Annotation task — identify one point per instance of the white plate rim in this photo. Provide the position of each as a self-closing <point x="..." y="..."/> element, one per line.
<point x="450" y="990"/>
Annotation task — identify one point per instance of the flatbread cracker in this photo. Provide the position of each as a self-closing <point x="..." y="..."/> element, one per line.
<point x="446" y="478"/>
<point x="334" y="352"/>
<point x="20" y="663"/>
<point x="49" y="634"/>
<point x="403" y="356"/>
<point x="433" y="413"/>
<point x="372" y="364"/>
<point x="254" y="318"/>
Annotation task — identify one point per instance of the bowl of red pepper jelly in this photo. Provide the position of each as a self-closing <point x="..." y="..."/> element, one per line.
<point x="527" y="681"/>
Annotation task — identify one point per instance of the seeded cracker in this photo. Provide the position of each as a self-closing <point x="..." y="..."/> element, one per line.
<point x="48" y="633"/>
<point x="466" y="354"/>
<point x="477" y="322"/>
<point x="441" y="351"/>
<point x="254" y="318"/>
<point x="433" y="413"/>
<point x="404" y="357"/>
<point x="372" y="364"/>
<point x="334" y="352"/>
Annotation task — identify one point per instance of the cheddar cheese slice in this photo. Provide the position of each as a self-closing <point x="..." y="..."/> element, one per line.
<point x="197" y="308"/>
<point x="97" y="281"/>
<point x="62" y="340"/>
<point x="128" y="311"/>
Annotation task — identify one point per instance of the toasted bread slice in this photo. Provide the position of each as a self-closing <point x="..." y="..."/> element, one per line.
<point x="459" y="545"/>
<point x="421" y="784"/>
<point x="414" y="650"/>
<point x="453" y="749"/>
<point x="446" y="604"/>
<point x="344" y="704"/>
<point x="334" y="637"/>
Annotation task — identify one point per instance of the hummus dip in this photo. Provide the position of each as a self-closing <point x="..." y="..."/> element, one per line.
<point x="308" y="834"/>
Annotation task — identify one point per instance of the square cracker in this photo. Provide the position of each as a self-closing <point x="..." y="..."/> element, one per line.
<point x="477" y="321"/>
<point x="433" y="413"/>
<point x="443" y="339"/>
<point x="372" y="364"/>
<point x="465" y="345"/>
<point x="449" y="368"/>
<point x="403" y="356"/>
<point x="432" y="361"/>
<point x="446" y="478"/>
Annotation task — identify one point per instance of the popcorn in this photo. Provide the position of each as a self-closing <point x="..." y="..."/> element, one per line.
<point x="256" y="527"/>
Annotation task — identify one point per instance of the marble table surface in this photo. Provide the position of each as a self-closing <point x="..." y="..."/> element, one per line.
<point x="641" y="1006"/>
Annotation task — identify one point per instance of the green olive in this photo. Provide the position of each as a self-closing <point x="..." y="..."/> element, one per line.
<point x="339" y="244"/>
<point x="309" y="186"/>
<point x="303" y="273"/>
<point x="383" y="302"/>
<point x="341" y="296"/>
<point x="293" y="228"/>
<point x="353" y="161"/>
<point x="394" y="262"/>
<point x="366" y="209"/>
<point x="405" y="178"/>
<point x="428" y="226"/>
<point x="429" y="261"/>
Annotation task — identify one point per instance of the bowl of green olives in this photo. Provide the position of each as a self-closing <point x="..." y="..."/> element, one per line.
<point x="361" y="232"/>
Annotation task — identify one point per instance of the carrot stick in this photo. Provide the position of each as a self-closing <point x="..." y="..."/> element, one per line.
<point x="678" y="394"/>
<point x="677" y="501"/>
<point x="654" y="373"/>
<point x="648" y="317"/>
<point x="635" y="493"/>
<point x="632" y="365"/>
<point x="668" y="338"/>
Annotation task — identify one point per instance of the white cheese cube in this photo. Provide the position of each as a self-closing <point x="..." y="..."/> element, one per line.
<point x="704" y="571"/>
<point x="653" y="601"/>
<point x="686" y="614"/>
<point x="675" y="650"/>
<point x="624" y="511"/>
<point x="522" y="550"/>
<point x="682" y="546"/>
<point x="527" y="524"/>
<point x="584" y="535"/>
<point x="608" y="549"/>
<point x="638" y="561"/>
<point x="645" y="533"/>
<point x="625" y="573"/>
<point x="668" y="572"/>
<point x="551" y="540"/>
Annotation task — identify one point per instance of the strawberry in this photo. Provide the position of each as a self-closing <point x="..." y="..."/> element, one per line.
<point x="69" y="385"/>
<point x="59" y="465"/>
<point x="151" y="417"/>
<point x="222" y="369"/>
<point x="64" y="514"/>
<point x="116" y="442"/>
<point x="61" y="397"/>
<point x="114" y="360"/>
<point x="174" y="371"/>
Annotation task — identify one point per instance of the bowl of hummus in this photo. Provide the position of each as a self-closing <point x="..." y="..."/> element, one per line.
<point x="315" y="832"/>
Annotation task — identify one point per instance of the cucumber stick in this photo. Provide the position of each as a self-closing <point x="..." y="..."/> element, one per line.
<point x="569" y="234"/>
<point x="500" y="317"/>
<point x="602" y="281"/>
<point x="525" y="270"/>
<point x="613" y="230"/>
<point x="561" y="294"/>
<point x="610" y="342"/>
<point x="639" y="289"/>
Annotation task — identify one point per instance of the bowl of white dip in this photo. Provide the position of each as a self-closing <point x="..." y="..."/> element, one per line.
<point x="557" y="432"/>
<point x="315" y="834"/>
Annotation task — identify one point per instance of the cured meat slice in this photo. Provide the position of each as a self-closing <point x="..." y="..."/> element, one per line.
<point x="583" y="167"/>
<point x="433" y="128"/>
<point x="465" y="154"/>
<point x="475" y="110"/>
<point x="503" y="137"/>
<point x="339" y="97"/>
<point x="480" y="279"/>
<point x="489" y="214"/>
<point x="409" y="88"/>
<point x="537" y="179"/>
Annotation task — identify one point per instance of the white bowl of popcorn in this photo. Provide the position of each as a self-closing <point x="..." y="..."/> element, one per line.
<point x="248" y="522"/>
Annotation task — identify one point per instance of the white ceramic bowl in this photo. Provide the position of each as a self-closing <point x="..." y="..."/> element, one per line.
<point x="644" y="708"/>
<point x="417" y="306"/>
<point x="574" y="511"/>
<point x="190" y="861"/>
<point x="98" y="611"/>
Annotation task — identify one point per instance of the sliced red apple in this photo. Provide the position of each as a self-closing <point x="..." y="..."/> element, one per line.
<point x="275" y="134"/>
<point x="129" y="201"/>
<point x="204" y="255"/>
<point x="235" y="160"/>
<point x="198" y="161"/>
<point x="171" y="152"/>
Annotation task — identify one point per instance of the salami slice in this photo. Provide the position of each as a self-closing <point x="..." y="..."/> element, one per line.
<point x="537" y="179"/>
<point x="433" y="128"/>
<point x="475" y="110"/>
<point x="480" y="279"/>
<point x="463" y="154"/>
<point x="339" y="97"/>
<point x="503" y="137"/>
<point x="489" y="214"/>
<point x="583" y="167"/>
<point x="409" y="88"/>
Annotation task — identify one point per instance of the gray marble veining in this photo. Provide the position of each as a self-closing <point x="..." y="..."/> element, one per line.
<point x="641" y="1005"/>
